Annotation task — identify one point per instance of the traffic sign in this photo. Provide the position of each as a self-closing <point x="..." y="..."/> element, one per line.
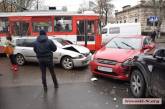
<point x="153" y="18"/>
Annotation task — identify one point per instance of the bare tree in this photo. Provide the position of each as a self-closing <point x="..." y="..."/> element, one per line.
<point x="26" y="3"/>
<point x="64" y="8"/>
<point x="4" y="6"/>
<point x="20" y="5"/>
<point x="83" y="7"/>
<point x="104" y="8"/>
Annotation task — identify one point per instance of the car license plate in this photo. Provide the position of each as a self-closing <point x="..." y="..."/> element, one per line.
<point x="106" y="69"/>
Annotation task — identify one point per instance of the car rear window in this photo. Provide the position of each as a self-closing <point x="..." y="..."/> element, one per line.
<point x="25" y="42"/>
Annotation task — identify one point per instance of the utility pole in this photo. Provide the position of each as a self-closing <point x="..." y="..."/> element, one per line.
<point x="37" y="5"/>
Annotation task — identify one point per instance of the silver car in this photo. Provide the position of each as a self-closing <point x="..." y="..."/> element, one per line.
<point x="68" y="55"/>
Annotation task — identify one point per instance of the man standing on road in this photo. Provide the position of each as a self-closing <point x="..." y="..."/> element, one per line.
<point x="44" y="48"/>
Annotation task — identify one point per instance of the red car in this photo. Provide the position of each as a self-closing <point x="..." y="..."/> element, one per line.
<point x="109" y="60"/>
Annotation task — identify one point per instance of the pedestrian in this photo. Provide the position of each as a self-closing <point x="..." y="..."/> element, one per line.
<point x="158" y="33"/>
<point x="153" y="36"/>
<point x="9" y="50"/>
<point x="44" y="48"/>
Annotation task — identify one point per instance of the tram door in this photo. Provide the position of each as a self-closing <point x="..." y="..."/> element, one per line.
<point x="20" y="27"/>
<point x="85" y="32"/>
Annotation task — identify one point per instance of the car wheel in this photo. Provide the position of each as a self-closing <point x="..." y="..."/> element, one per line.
<point x="20" y="59"/>
<point x="67" y="63"/>
<point x="137" y="84"/>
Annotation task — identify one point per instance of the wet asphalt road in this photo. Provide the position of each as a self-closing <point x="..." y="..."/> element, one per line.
<point x="23" y="90"/>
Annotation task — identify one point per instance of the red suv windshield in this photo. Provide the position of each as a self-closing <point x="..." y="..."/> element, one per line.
<point x="125" y="43"/>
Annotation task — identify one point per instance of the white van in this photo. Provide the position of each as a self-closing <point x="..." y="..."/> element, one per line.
<point x="113" y="30"/>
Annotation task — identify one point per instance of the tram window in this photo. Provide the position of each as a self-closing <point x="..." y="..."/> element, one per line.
<point x="3" y="25"/>
<point x="91" y="38"/>
<point x="63" y="24"/>
<point x="20" y="28"/>
<point x="47" y="26"/>
<point x="81" y="27"/>
<point x="82" y="38"/>
<point x="90" y="27"/>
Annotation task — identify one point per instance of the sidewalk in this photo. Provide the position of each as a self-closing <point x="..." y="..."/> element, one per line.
<point x="161" y="39"/>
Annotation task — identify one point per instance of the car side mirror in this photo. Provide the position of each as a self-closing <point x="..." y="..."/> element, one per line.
<point x="159" y="54"/>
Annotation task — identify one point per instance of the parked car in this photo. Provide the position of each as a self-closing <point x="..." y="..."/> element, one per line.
<point x="113" y="30"/>
<point x="147" y="74"/>
<point x="68" y="55"/>
<point x="108" y="60"/>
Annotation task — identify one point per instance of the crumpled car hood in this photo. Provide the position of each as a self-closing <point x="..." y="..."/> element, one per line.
<point x="119" y="55"/>
<point x="76" y="48"/>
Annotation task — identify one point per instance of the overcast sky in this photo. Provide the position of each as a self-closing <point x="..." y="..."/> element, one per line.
<point x="73" y="5"/>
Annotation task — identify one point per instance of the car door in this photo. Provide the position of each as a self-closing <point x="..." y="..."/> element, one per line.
<point x="57" y="54"/>
<point x="28" y="50"/>
<point x="157" y="67"/>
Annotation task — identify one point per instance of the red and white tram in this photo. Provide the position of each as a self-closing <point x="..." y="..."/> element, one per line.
<point x="78" y="28"/>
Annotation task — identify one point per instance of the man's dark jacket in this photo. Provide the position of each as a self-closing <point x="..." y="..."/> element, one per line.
<point x="44" y="48"/>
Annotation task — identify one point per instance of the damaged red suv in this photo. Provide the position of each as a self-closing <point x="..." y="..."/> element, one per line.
<point x="109" y="60"/>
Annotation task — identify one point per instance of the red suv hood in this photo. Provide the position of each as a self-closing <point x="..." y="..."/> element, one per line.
<point x="119" y="55"/>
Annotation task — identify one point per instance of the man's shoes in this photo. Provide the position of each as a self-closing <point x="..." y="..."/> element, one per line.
<point x="45" y="89"/>
<point x="56" y="86"/>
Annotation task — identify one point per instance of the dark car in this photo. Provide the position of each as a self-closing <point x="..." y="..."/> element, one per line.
<point x="147" y="74"/>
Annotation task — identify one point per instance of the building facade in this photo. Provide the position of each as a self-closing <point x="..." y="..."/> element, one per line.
<point x="140" y="13"/>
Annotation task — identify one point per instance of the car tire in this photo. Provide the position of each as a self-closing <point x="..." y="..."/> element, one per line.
<point x="67" y="63"/>
<point x="20" y="59"/>
<point x="137" y="84"/>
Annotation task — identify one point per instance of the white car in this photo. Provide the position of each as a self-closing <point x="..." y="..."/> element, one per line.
<point x="68" y="55"/>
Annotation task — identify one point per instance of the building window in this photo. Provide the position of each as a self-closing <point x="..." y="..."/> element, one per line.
<point x="114" y="30"/>
<point x="3" y="25"/>
<point x="63" y="24"/>
<point x="149" y="23"/>
<point x="136" y="20"/>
